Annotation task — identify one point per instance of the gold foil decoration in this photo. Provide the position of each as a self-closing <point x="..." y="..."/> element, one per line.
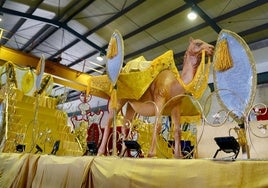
<point x="27" y="82"/>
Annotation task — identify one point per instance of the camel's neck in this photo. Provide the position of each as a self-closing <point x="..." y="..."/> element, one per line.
<point x="190" y="65"/>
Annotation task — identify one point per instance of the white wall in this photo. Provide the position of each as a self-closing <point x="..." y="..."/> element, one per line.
<point x="258" y="146"/>
<point x="207" y="146"/>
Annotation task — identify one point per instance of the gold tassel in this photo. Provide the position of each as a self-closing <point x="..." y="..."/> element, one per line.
<point x="38" y="67"/>
<point x="112" y="49"/>
<point x="223" y="60"/>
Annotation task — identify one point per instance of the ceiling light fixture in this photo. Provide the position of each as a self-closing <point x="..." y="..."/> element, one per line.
<point x="1" y="17"/>
<point x="100" y="57"/>
<point x="192" y="15"/>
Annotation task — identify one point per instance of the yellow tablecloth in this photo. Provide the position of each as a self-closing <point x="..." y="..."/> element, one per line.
<point x="28" y="170"/>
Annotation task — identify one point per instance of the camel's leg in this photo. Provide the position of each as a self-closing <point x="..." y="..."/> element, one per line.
<point x="157" y="128"/>
<point x="175" y="119"/>
<point x="106" y="133"/>
<point x="126" y="124"/>
<point x="149" y="109"/>
<point x="109" y="123"/>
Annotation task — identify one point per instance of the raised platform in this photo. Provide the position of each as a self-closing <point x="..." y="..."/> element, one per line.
<point x="28" y="170"/>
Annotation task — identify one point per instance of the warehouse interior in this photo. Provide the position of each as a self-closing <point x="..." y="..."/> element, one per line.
<point x="72" y="38"/>
<point x="74" y="33"/>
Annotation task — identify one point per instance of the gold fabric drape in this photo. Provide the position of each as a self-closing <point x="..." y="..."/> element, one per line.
<point x="43" y="171"/>
<point x="132" y="85"/>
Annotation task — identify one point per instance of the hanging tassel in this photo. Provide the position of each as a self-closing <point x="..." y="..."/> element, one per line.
<point x="222" y="58"/>
<point x="38" y="67"/>
<point x="112" y="49"/>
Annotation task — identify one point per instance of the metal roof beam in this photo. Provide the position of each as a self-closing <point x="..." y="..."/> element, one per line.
<point x="122" y="12"/>
<point x="140" y="29"/>
<point x="19" y="23"/>
<point x="204" y="16"/>
<point x="200" y="26"/>
<point x="49" y="31"/>
<point x="219" y="18"/>
<point x="158" y="20"/>
<point x="53" y="23"/>
<point x="2" y="2"/>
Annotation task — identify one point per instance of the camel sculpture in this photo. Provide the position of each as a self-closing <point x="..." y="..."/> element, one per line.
<point x="165" y="85"/>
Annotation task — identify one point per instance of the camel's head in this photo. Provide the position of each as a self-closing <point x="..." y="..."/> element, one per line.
<point x="196" y="46"/>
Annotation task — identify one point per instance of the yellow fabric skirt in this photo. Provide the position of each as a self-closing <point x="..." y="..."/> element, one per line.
<point x="28" y="170"/>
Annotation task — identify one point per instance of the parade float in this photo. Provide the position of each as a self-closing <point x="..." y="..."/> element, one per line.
<point x="153" y="113"/>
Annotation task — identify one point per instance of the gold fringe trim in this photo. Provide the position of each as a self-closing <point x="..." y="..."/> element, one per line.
<point x="38" y="67"/>
<point x="112" y="49"/>
<point x="223" y="60"/>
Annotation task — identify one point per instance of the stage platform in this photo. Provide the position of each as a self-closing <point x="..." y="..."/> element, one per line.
<point x="49" y="171"/>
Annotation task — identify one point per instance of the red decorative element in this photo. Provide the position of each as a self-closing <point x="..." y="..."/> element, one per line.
<point x="263" y="114"/>
<point x="93" y="120"/>
<point x="94" y="128"/>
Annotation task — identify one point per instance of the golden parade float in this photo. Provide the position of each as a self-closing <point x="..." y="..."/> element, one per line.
<point x="153" y="111"/>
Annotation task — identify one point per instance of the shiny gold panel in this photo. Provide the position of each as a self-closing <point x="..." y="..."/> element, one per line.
<point x="64" y="75"/>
